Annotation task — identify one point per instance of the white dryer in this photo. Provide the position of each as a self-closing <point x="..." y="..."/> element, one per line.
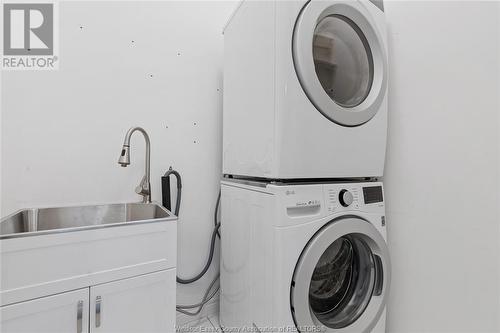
<point x="305" y="89"/>
<point x="311" y="257"/>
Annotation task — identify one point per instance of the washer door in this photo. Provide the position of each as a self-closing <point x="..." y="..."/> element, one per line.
<point x="341" y="279"/>
<point x="340" y="60"/>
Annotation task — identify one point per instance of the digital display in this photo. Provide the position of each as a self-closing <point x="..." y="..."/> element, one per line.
<point x="373" y="194"/>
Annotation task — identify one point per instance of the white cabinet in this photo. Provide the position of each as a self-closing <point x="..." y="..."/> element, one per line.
<point x="48" y="280"/>
<point x="67" y="312"/>
<point x="144" y="303"/>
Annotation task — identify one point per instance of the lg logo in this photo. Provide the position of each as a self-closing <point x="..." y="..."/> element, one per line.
<point x="28" y="29"/>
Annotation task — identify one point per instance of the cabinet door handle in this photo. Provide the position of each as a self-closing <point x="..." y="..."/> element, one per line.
<point x="98" y="301"/>
<point x="79" y="315"/>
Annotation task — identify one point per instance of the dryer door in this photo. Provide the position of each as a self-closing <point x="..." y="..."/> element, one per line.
<point x="340" y="60"/>
<point x="341" y="279"/>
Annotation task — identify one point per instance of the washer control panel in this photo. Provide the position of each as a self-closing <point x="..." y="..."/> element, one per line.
<point x="338" y="197"/>
<point x="326" y="199"/>
<point x="360" y="196"/>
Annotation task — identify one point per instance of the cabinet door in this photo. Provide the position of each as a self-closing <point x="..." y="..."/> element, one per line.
<point x="67" y="312"/>
<point x="144" y="303"/>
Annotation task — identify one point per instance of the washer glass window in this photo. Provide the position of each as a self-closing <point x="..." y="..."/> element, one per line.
<point x="342" y="282"/>
<point x="343" y="60"/>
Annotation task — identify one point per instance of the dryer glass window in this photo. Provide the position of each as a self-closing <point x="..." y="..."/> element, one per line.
<point x="343" y="60"/>
<point x="342" y="282"/>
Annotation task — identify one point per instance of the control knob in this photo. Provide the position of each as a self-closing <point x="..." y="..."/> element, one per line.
<point x="345" y="198"/>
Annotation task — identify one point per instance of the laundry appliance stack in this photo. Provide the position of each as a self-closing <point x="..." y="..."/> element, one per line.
<point x="303" y="243"/>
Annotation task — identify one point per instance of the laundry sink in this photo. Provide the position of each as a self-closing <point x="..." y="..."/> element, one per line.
<point x="31" y="222"/>
<point x="45" y="251"/>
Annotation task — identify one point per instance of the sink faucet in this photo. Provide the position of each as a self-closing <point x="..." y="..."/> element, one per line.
<point x="144" y="187"/>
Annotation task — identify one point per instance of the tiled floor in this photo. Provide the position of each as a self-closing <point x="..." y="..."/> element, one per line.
<point x="204" y="324"/>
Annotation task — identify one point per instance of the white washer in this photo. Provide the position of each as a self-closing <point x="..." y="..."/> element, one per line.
<point x="311" y="256"/>
<point x="305" y="90"/>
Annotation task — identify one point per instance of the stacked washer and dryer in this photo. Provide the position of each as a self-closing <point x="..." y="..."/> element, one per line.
<point x="303" y="244"/>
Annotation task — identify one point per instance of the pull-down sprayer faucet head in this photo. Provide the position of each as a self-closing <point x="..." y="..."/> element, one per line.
<point x="124" y="159"/>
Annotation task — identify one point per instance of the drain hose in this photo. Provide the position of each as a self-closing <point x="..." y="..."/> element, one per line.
<point x="215" y="233"/>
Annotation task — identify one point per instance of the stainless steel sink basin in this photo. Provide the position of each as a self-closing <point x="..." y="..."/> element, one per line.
<point x="30" y="222"/>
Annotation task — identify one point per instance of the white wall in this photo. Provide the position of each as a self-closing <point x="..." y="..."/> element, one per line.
<point x="442" y="170"/>
<point x="62" y="131"/>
